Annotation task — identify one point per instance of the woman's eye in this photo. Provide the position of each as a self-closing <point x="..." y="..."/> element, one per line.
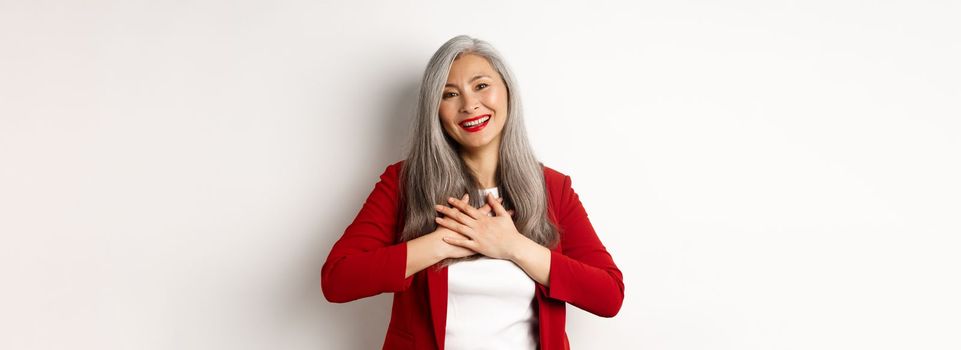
<point x="446" y="95"/>
<point x="484" y="84"/>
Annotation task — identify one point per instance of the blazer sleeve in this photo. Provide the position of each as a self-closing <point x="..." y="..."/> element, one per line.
<point x="365" y="261"/>
<point x="583" y="273"/>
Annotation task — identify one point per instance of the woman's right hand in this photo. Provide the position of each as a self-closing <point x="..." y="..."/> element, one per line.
<point x="452" y="251"/>
<point x="448" y="250"/>
<point x="428" y="249"/>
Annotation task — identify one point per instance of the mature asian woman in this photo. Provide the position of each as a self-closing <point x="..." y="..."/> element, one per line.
<point x="481" y="244"/>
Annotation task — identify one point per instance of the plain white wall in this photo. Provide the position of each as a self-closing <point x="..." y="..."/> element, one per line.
<point x="768" y="175"/>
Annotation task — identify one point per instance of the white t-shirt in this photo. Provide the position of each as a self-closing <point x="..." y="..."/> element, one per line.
<point x="490" y="305"/>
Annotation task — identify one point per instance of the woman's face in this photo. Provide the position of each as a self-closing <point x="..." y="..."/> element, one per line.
<point x="474" y="93"/>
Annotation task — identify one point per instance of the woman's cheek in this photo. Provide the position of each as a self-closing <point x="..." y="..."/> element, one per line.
<point x="445" y="114"/>
<point x="497" y="97"/>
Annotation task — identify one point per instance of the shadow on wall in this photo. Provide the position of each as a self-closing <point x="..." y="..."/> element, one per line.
<point x="362" y="323"/>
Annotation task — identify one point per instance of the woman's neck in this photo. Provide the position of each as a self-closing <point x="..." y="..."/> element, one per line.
<point x="484" y="165"/>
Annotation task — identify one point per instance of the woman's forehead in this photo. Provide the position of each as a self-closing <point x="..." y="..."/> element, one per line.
<point x="472" y="64"/>
<point x="471" y="71"/>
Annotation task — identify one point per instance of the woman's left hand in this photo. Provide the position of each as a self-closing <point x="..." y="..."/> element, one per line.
<point x="493" y="236"/>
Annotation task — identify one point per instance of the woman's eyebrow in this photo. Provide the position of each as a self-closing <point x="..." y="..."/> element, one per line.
<point x="471" y="79"/>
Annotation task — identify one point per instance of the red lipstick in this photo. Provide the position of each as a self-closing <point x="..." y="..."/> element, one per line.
<point x="472" y="124"/>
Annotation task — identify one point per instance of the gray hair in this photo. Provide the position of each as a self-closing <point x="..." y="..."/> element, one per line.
<point x="433" y="170"/>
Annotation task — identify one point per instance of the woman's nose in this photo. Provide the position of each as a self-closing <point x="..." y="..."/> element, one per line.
<point x="470" y="104"/>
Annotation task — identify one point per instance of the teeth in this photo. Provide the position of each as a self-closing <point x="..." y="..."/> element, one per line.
<point x="476" y="122"/>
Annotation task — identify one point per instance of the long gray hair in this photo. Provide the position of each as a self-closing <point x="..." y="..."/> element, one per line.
<point x="433" y="170"/>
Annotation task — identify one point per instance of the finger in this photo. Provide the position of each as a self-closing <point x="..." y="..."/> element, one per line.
<point x="490" y="209"/>
<point x="498" y="208"/>
<point x="465" y="207"/>
<point x="455" y="226"/>
<point x="464" y="243"/>
<point x="486" y="209"/>
<point x="455" y="214"/>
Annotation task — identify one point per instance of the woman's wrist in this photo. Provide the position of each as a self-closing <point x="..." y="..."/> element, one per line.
<point x="438" y="248"/>
<point x="521" y="249"/>
<point x="423" y="251"/>
<point x="534" y="259"/>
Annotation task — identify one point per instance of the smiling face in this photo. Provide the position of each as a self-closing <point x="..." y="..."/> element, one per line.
<point x="473" y="106"/>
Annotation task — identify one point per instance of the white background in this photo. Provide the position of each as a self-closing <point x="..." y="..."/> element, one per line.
<point x="768" y="175"/>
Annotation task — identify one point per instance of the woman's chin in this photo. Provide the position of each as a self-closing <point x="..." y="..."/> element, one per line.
<point x="475" y="146"/>
<point x="476" y="141"/>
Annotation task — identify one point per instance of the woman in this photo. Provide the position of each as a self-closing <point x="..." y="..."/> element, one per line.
<point x="481" y="244"/>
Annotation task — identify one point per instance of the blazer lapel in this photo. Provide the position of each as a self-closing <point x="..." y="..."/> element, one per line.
<point x="437" y="293"/>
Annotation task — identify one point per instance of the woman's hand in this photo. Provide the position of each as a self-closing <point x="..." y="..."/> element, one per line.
<point x="494" y="236"/>
<point x="448" y="250"/>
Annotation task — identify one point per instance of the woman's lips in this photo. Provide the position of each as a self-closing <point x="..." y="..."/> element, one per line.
<point x="478" y="127"/>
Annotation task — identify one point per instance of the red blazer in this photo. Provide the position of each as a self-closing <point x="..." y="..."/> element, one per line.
<point x="365" y="261"/>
